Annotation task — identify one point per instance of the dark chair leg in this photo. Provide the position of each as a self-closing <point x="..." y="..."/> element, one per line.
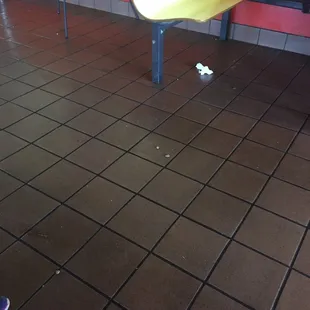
<point x="65" y="19"/>
<point x="305" y="7"/>
<point x="225" y="25"/>
<point x="58" y="6"/>
<point x="134" y="9"/>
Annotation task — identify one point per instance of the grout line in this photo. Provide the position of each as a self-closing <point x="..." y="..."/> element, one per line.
<point x="302" y="273"/>
<point x="248" y="211"/>
<point x="64" y="202"/>
<point x="288" y="273"/>
<point x="126" y="153"/>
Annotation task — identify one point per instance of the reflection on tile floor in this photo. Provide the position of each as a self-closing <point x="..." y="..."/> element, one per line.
<point x="116" y="193"/>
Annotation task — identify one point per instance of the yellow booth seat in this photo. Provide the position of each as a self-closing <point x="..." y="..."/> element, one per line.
<point x="167" y="10"/>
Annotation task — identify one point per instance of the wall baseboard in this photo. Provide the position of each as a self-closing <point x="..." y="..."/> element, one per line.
<point x="263" y="37"/>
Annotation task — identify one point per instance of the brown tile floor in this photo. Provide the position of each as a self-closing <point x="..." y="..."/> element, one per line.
<point x="119" y="194"/>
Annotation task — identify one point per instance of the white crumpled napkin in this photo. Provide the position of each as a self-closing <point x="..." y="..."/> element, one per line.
<point x="203" y="69"/>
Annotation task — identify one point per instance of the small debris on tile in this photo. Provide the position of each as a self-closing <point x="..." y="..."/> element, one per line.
<point x="167" y="155"/>
<point x="157" y="147"/>
<point x="57" y="272"/>
<point x="43" y="235"/>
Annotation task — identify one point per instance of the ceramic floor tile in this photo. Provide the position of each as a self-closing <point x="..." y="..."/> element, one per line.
<point x="85" y="75"/>
<point x="36" y="100"/>
<point x="137" y="92"/>
<point x="217" y="210"/>
<point x="166" y="101"/>
<point x="196" y="164"/>
<point x="300" y="147"/>
<point x="113" y="307"/>
<point x="142" y="221"/>
<point x="23" y="209"/>
<point x="91" y="122"/>
<point x="302" y="262"/>
<point x="210" y="299"/>
<point x="8" y="185"/>
<point x="285" y="118"/>
<point x="236" y="276"/>
<point x="61" y="234"/>
<point x="294" y="101"/>
<point x="32" y="127"/>
<point x="123" y="135"/>
<point x="229" y="83"/>
<point x="84" y="56"/>
<point x="155" y="290"/>
<point x="233" y="123"/>
<point x="10" y="144"/>
<point x="4" y="79"/>
<point x="107" y="254"/>
<point x="216" y="142"/>
<point x="215" y="97"/>
<point x="28" y="163"/>
<point x="261" y="92"/>
<point x="272" y="136"/>
<point x="131" y="172"/>
<point x="88" y="95"/>
<point x="93" y="99"/>
<point x="95" y="155"/>
<point x="248" y="107"/>
<point x="41" y="59"/>
<point x="306" y="128"/>
<point x="286" y="200"/>
<point x="239" y="181"/>
<point x="62" y="86"/>
<point x="157" y="148"/>
<point x="129" y="70"/>
<point x="296" y="293"/>
<point x="294" y="170"/>
<point x="146" y="117"/>
<point x="185" y="88"/>
<point x="198" y="112"/>
<point x="10" y="114"/>
<point x="111" y="83"/>
<point x="62" y="66"/>
<point x="184" y="246"/>
<point x="257" y="157"/>
<point x="175" y="197"/>
<point x="66" y="292"/>
<point x="271" y="235"/>
<point x="23" y="271"/>
<point x="17" y="69"/>
<point x="62" y="180"/>
<point x="62" y="141"/>
<point x="38" y="78"/>
<point x="100" y="200"/>
<point x="5" y="240"/>
<point x="179" y="129"/>
<point x="62" y="110"/>
<point x="116" y="106"/>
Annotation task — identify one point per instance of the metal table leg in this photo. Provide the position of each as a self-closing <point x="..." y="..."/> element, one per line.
<point x="157" y="52"/>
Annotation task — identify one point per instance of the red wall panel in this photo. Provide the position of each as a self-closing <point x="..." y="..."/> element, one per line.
<point x="269" y="17"/>
<point x="272" y="17"/>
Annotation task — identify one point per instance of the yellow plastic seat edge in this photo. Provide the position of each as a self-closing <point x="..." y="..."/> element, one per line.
<point x="168" y="10"/>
